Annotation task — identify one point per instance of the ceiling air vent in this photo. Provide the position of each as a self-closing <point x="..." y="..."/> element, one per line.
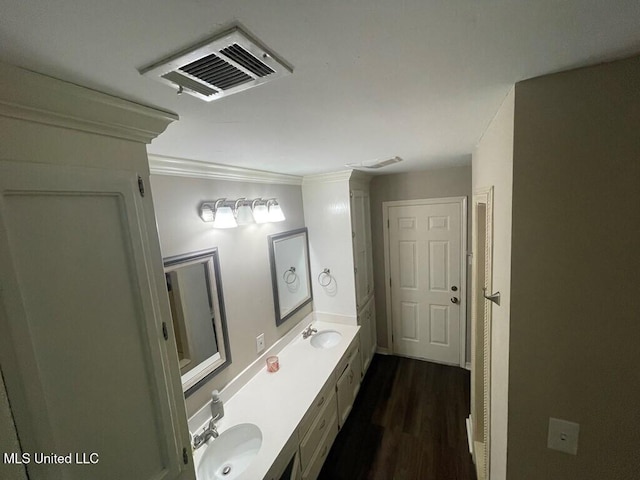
<point x="223" y="65"/>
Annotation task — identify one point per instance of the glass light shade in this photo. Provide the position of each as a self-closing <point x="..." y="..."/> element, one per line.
<point x="224" y="218"/>
<point x="275" y="213"/>
<point x="261" y="214"/>
<point x="244" y="216"/>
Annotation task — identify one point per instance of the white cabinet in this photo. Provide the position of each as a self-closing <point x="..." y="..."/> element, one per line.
<point x="85" y="341"/>
<point x="348" y="385"/>
<point x="363" y="265"/>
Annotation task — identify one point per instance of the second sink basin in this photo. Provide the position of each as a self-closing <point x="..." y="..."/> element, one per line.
<point x="325" y="339"/>
<point x="231" y="453"/>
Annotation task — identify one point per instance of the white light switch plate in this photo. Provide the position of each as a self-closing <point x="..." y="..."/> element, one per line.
<point x="260" y="343"/>
<point x="563" y="436"/>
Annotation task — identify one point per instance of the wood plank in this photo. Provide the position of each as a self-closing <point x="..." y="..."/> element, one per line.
<point x="408" y="422"/>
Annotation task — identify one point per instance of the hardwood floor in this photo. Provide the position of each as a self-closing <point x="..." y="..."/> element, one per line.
<point x="408" y="422"/>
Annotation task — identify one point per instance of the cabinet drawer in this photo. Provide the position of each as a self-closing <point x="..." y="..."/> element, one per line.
<point x="344" y="361"/>
<point x="315" y="408"/>
<point x="317" y="430"/>
<point x="317" y="460"/>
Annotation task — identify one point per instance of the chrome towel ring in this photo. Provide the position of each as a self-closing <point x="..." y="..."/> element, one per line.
<point x="290" y="276"/>
<point x="325" y="278"/>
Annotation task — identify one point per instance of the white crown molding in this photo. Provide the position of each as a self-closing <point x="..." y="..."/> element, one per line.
<point x="327" y="177"/>
<point x="361" y="176"/>
<point x="34" y="97"/>
<point x="182" y="167"/>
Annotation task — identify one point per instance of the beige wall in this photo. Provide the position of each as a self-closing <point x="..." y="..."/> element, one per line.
<point x="244" y="260"/>
<point x="493" y="167"/>
<point x="445" y="182"/>
<point x="575" y="302"/>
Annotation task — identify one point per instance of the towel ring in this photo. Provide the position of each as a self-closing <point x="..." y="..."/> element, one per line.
<point x="324" y="275"/>
<point x="290" y="276"/>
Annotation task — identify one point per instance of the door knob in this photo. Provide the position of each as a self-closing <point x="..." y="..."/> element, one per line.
<point x="454" y="299"/>
<point x="454" y="289"/>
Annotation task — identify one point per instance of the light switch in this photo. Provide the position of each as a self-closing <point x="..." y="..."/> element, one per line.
<point x="260" y="343"/>
<point x="563" y="436"/>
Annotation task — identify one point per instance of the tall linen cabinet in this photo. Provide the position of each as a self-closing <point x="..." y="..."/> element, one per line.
<point x="337" y="214"/>
<point x="86" y="347"/>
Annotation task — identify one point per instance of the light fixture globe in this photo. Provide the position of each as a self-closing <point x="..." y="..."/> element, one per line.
<point x="275" y="212"/>
<point x="260" y="211"/>
<point x="224" y="218"/>
<point x="244" y="215"/>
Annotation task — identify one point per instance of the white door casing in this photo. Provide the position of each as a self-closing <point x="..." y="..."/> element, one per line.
<point x="425" y="250"/>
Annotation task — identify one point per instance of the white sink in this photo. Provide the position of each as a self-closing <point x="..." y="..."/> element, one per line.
<point x="325" y="339"/>
<point x="227" y="456"/>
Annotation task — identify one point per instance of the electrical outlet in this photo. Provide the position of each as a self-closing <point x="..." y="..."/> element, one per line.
<point x="260" y="343"/>
<point x="563" y="436"/>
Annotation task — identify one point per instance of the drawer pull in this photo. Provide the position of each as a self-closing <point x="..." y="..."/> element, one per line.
<point x="321" y="401"/>
<point x="324" y="421"/>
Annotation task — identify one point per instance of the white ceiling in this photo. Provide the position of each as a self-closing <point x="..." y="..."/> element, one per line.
<point x="372" y="79"/>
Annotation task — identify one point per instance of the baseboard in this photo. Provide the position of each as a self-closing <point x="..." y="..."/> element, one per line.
<point x="469" y="434"/>
<point x="383" y="351"/>
<point x="468" y="366"/>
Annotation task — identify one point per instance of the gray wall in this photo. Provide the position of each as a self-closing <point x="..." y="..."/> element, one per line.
<point x="244" y="259"/>
<point x="445" y="182"/>
<point x="8" y="439"/>
<point x="575" y="322"/>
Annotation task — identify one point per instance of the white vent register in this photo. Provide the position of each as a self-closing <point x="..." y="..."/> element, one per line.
<point x="226" y="64"/>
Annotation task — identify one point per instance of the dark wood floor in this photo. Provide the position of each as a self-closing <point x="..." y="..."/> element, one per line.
<point x="408" y="422"/>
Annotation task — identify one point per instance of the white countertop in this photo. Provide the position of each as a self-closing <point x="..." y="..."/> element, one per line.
<point x="276" y="402"/>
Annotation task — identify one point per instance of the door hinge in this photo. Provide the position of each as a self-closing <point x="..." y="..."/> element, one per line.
<point x="353" y="234"/>
<point x="185" y="456"/>
<point x="355" y="270"/>
<point x="141" y="185"/>
<point x="165" y="333"/>
<point x="387" y="223"/>
<point x="389" y="281"/>
<point x="351" y="193"/>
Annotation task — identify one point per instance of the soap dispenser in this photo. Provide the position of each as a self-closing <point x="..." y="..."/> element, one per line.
<point x="217" y="408"/>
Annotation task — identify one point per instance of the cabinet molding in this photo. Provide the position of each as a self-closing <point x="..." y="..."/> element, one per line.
<point x="34" y="97"/>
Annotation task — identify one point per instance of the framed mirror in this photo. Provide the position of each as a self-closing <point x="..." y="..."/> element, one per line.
<point x="290" y="272"/>
<point x="195" y="295"/>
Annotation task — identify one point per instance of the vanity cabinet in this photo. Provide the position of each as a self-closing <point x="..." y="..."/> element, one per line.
<point x="348" y="385"/>
<point x="86" y="345"/>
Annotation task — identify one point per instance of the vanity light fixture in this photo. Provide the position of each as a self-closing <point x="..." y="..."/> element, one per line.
<point x="231" y="213"/>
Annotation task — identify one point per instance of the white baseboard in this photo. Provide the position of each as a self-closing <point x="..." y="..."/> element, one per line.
<point x="470" y="434"/>
<point x="383" y="351"/>
<point x="468" y="366"/>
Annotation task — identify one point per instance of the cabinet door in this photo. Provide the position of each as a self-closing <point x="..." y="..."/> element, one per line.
<point x="345" y="395"/>
<point x="82" y="345"/>
<point x="359" y="225"/>
<point x="365" y="337"/>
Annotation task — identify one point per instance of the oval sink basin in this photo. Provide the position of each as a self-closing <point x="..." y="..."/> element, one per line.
<point x="325" y="339"/>
<point x="227" y="456"/>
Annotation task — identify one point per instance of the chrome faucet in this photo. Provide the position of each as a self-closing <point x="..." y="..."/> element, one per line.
<point x="308" y="332"/>
<point x="210" y="431"/>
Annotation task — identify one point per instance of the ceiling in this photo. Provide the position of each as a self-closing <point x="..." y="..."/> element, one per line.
<point x="372" y="79"/>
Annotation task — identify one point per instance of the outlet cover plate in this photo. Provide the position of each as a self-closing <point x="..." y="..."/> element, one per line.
<point x="260" y="343"/>
<point x="563" y="436"/>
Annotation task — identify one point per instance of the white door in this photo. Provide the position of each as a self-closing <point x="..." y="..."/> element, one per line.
<point x="425" y="242"/>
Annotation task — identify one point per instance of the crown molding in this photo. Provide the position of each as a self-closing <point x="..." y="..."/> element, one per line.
<point x="182" y="167"/>
<point x="34" y="97"/>
<point x="327" y="177"/>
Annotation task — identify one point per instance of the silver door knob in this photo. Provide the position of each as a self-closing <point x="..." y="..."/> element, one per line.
<point x="454" y="299"/>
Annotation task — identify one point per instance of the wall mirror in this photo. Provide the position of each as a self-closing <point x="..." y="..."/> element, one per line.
<point x="197" y="310"/>
<point x="290" y="272"/>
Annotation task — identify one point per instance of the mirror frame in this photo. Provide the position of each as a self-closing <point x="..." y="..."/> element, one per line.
<point x="273" y="239"/>
<point x="216" y="294"/>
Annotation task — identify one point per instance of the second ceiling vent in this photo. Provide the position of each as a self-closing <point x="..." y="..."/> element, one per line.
<point x="226" y="64"/>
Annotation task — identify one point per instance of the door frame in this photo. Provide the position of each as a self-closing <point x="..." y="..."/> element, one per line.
<point x="462" y="204"/>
